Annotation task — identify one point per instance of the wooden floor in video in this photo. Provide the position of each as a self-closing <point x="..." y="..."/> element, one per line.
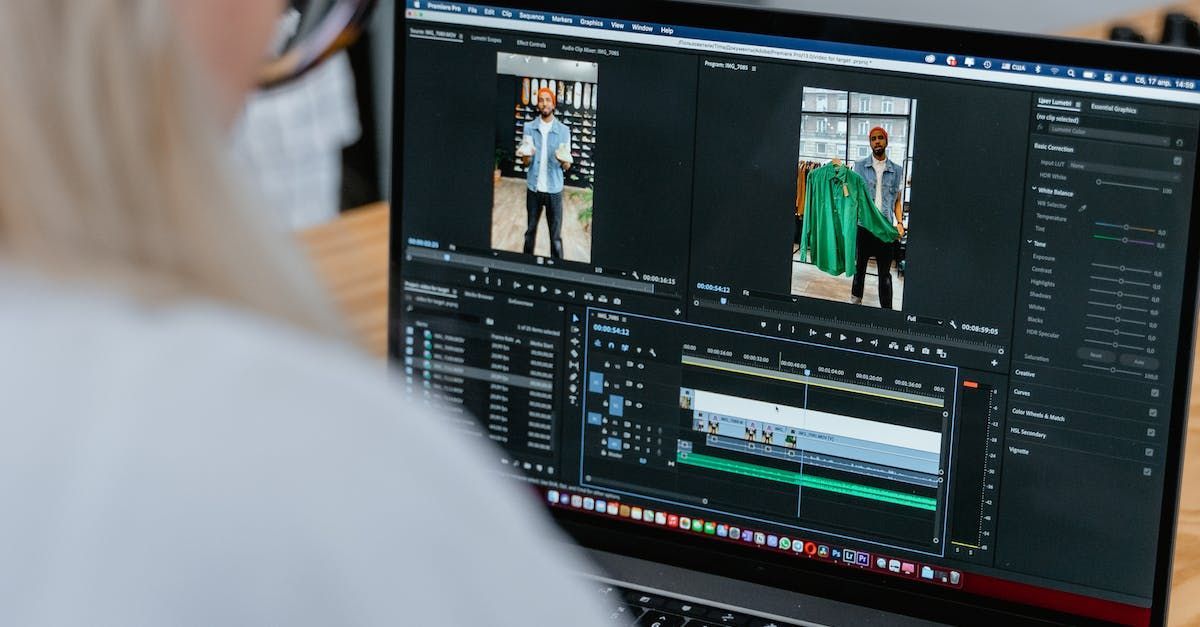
<point x="810" y="282"/>
<point x="508" y="223"/>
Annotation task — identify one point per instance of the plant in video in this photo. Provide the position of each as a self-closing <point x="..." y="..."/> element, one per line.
<point x="584" y="197"/>
<point x="502" y="156"/>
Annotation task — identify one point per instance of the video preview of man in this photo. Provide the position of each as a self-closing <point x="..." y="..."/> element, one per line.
<point x="884" y="178"/>
<point x="546" y="153"/>
<point x="856" y="151"/>
<point x="546" y="127"/>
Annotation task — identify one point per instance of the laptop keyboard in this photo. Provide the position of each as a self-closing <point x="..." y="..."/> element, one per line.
<point x="644" y="609"/>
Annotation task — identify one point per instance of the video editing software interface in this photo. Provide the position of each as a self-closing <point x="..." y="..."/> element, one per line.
<point x="911" y="314"/>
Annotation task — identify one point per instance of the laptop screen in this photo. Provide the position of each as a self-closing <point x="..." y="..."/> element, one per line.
<point x="892" y="313"/>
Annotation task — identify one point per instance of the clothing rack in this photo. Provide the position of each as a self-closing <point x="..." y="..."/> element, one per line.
<point x="802" y="172"/>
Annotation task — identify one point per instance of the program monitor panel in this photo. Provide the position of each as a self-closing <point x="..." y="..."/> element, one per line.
<point x="915" y="323"/>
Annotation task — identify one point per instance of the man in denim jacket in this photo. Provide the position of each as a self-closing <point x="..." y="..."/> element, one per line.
<point x="546" y="150"/>
<point x="885" y="181"/>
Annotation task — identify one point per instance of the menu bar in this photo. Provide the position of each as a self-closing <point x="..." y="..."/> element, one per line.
<point x="930" y="63"/>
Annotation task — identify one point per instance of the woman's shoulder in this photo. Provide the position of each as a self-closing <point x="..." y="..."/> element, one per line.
<point x="195" y="438"/>
<point x="93" y="355"/>
<point x="99" y="333"/>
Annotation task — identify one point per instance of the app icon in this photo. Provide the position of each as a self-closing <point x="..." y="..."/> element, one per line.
<point x="798" y="546"/>
<point x="785" y="543"/>
<point x="955" y="577"/>
<point x="735" y="533"/>
<point x="864" y="559"/>
<point x="613" y="509"/>
<point x="926" y="573"/>
<point x="835" y="553"/>
<point x="710" y="527"/>
<point x="685" y="522"/>
<point x="552" y="496"/>
<point x="822" y="551"/>
<point x="660" y="518"/>
<point x="589" y="503"/>
<point x="881" y="563"/>
<point x="760" y="537"/>
<point x="723" y="531"/>
<point x="625" y="511"/>
<point x="894" y="566"/>
<point x="908" y="568"/>
<point x="648" y="515"/>
<point x="697" y="525"/>
<point x="810" y="548"/>
<point x="850" y="555"/>
<point x="672" y="520"/>
<point x="636" y="513"/>
<point x="576" y="501"/>
<point x="772" y="541"/>
<point x="601" y="506"/>
<point x="747" y="535"/>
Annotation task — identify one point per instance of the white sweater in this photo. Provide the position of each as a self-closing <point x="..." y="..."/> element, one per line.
<point x="198" y="466"/>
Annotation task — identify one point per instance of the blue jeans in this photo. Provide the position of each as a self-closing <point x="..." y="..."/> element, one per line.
<point x="535" y="202"/>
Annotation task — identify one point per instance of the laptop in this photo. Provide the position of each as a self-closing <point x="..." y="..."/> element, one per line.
<point x="798" y="319"/>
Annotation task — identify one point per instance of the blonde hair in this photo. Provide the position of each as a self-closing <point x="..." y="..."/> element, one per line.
<point x="113" y="167"/>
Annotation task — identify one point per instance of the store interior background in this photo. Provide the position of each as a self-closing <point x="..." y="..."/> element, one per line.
<point x="371" y="159"/>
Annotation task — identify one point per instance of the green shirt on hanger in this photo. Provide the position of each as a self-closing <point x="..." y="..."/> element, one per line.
<point x="837" y="199"/>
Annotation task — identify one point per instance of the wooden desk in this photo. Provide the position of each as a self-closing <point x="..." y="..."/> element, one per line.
<point x="351" y="255"/>
<point x="1148" y="22"/>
